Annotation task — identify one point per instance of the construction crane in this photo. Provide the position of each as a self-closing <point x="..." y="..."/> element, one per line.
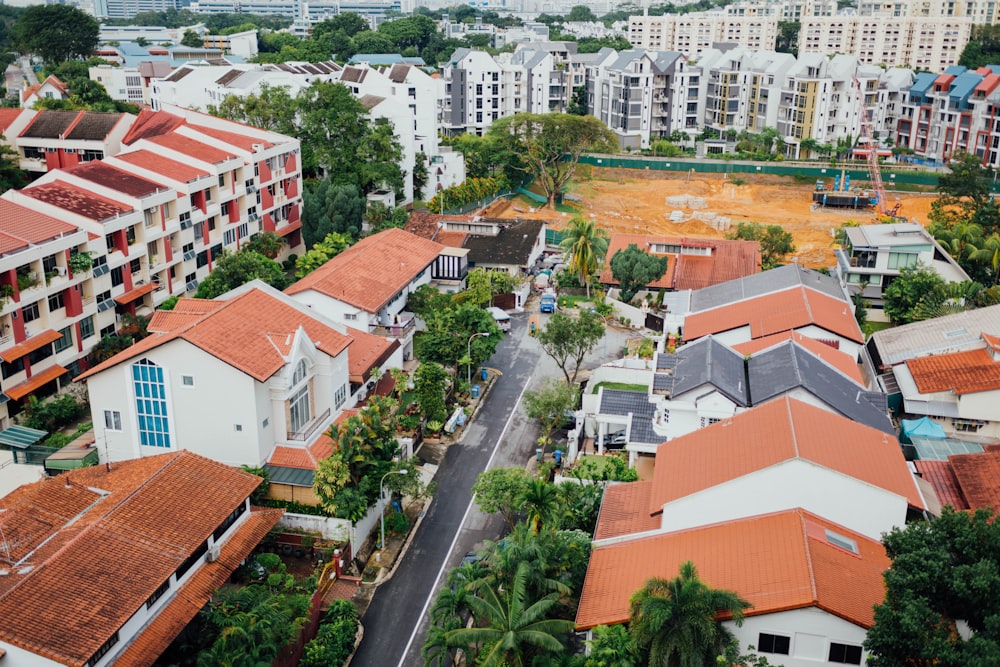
<point x="874" y="172"/>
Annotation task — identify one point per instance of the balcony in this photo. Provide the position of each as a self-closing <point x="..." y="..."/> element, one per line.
<point x="314" y="424"/>
<point x="402" y="328"/>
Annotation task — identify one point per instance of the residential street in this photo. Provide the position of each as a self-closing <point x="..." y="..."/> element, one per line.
<point x="395" y="622"/>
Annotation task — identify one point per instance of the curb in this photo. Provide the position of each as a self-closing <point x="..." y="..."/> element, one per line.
<point x="381" y="579"/>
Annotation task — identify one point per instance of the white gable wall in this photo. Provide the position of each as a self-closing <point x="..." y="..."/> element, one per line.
<point x="811" y="631"/>
<point x="861" y="507"/>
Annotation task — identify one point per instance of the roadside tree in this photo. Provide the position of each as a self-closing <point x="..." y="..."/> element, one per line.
<point x="501" y="490"/>
<point x="548" y="405"/>
<point x="56" y="32"/>
<point x="634" y="268"/>
<point x="587" y="244"/>
<point x="568" y="340"/>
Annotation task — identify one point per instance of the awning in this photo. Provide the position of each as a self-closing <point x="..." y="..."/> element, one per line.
<point x="290" y="476"/>
<point x="134" y="293"/>
<point x="30" y="345"/>
<point x="289" y="228"/>
<point x="21" y="437"/>
<point x="72" y="457"/>
<point x="17" y="392"/>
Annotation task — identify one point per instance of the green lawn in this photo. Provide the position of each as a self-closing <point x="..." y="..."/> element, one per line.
<point x="623" y="386"/>
<point x="871" y="327"/>
<point x="571" y="300"/>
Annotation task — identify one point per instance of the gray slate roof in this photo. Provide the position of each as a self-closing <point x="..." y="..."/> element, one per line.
<point x="960" y="331"/>
<point x="706" y="361"/>
<point x="766" y="282"/>
<point x="621" y="402"/>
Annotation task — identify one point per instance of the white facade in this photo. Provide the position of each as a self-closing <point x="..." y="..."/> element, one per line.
<point x="693" y="33"/>
<point x="811" y="631"/>
<point x="860" y="506"/>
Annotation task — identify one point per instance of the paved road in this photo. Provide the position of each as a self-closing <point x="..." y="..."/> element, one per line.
<point x="394" y="622"/>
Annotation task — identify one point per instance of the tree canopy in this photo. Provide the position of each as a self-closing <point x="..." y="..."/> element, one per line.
<point x="330" y="209"/>
<point x="56" y="32"/>
<point x="234" y="269"/>
<point x="774" y="242"/>
<point x="634" y="269"/>
<point x="587" y="244"/>
<point x="568" y="340"/>
<point x="550" y="145"/>
<point x="942" y="571"/>
<point x="447" y="337"/>
<point x="906" y="290"/>
<point x="549" y="404"/>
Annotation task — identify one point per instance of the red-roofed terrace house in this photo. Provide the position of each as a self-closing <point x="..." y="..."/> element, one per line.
<point x="54" y="139"/>
<point x="107" y="565"/>
<point x="45" y="326"/>
<point x="231" y="378"/>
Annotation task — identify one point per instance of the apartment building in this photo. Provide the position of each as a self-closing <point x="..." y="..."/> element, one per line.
<point x="943" y="114"/>
<point x="129" y="84"/>
<point x="374" y="11"/>
<point x="979" y="10"/>
<point x="742" y="88"/>
<point x="47" y="140"/>
<point x="480" y="89"/>
<point x="918" y="42"/>
<point x="694" y="33"/>
<point x="635" y="94"/>
<point x="152" y="219"/>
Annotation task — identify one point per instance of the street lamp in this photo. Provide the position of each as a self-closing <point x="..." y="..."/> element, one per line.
<point x="381" y="494"/>
<point x="468" y="370"/>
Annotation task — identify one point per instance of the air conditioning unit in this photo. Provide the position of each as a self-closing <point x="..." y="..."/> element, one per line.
<point x="213" y="554"/>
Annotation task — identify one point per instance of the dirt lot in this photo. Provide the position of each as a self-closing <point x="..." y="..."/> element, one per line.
<point x="707" y="204"/>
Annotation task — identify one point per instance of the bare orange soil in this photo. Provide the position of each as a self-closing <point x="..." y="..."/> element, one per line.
<point x="705" y="205"/>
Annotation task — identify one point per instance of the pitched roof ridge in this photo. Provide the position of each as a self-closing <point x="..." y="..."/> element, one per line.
<point x="791" y="425"/>
<point x="808" y="554"/>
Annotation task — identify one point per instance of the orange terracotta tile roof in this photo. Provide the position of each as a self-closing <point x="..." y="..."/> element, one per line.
<point x="979" y="477"/>
<point x="36" y="381"/>
<point x="177" y="171"/>
<point x="244" y="141"/>
<point x="369" y="274"/>
<point x="30" y="345"/>
<point x="105" y="544"/>
<point x="367" y="352"/>
<point x="425" y="224"/>
<point x="729" y="260"/>
<point x="992" y="342"/>
<point x="961" y="372"/>
<point x="778" y="431"/>
<point x="452" y="239"/>
<point x="195" y="593"/>
<point x="941" y="476"/>
<point x="832" y="356"/>
<point x="21" y="226"/>
<point x="192" y="148"/>
<point x="775" y="313"/>
<point x="625" y="511"/>
<point x="241" y="331"/>
<point x="7" y="117"/>
<point x="135" y="293"/>
<point x="784" y="562"/>
<point x="151" y="123"/>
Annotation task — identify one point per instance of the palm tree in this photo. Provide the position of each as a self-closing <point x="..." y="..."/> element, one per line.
<point x="541" y="502"/>
<point x="988" y="254"/>
<point x="450" y="612"/>
<point x="612" y="645"/>
<point x="516" y="629"/>
<point x="674" y="620"/>
<point x="524" y="548"/>
<point x="586" y="244"/>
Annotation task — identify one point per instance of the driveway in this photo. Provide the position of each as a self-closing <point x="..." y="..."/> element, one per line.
<point x="501" y="435"/>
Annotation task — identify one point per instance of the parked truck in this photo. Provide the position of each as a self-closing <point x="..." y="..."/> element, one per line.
<point x="548" y="304"/>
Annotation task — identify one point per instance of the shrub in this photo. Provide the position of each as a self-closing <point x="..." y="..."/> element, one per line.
<point x="398" y="523"/>
<point x="334" y="642"/>
<point x="52" y="415"/>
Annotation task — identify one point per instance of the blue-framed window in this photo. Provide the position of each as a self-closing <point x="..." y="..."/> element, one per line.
<point x="151" y="404"/>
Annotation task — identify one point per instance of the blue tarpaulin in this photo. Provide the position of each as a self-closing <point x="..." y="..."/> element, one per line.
<point x="924" y="427"/>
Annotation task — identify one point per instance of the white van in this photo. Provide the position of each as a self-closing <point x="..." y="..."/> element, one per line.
<point x="501" y="318"/>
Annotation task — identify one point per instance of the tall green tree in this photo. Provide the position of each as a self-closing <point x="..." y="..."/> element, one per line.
<point x="581" y="13"/>
<point x="774" y="241"/>
<point x="942" y="571"/>
<point x="514" y="629"/>
<point x="548" y="405"/>
<point x="635" y="268"/>
<point x="568" y="340"/>
<point x="965" y="195"/>
<point x="586" y="244"/>
<point x="11" y="176"/>
<point x="332" y="245"/>
<point x="674" y="621"/>
<point x="906" y="290"/>
<point x="192" y="40"/>
<point x="501" y="491"/>
<point x="273" y="108"/>
<point x="56" y="32"/>
<point x="447" y="337"/>
<point x="232" y="270"/>
<point x="328" y="208"/>
<point x="578" y="103"/>
<point x="541" y="503"/>
<point x="550" y="145"/>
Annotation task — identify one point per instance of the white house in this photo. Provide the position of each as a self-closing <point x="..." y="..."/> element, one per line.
<point x="366" y="286"/>
<point x="791" y="566"/>
<point x="105" y="565"/>
<point x="230" y="378"/>
<point x="777" y="456"/>
<point x="50" y="89"/>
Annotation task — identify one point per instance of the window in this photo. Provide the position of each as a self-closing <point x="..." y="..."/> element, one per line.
<point x="130" y="235"/>
<point x="102" y="650"/>
<point x="158" y="593"/>
<point x="838" y="540"/>
<point x="151" y="404"/>
<point x="265" y="423"/>
<point x="300" y="373"/>
<point x="86" y="327"/>
<point x="899" y="260"/>
<point x="238" y="427"/>
<point x="117" y="276"/>
<point x="56" y="301"/>
<point x="767" y="643"/>
<point x="31" y="312"/>
<point x="229" y="237"/>
<point x="187" y="380"/>
<point x="202" y="259"/>
<point x="108" y="331"/>
<point x="66" y="341"/>
<point x="341" y="395"/>
<point x="298" y="410"/>
<point x="845" y="654"/>
<point x="135" y="265"/>
<point x="112" y="420"/>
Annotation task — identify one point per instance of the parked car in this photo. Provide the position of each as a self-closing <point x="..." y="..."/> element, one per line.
<point x="615" y="440"/>
<point x="568" y="420"/>
<point x="548" y="304"/>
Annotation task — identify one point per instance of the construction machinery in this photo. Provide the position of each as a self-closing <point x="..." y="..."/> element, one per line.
<point x="883" y="212"/>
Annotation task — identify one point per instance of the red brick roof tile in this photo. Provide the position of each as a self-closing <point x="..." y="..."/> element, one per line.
<point x="369" y="274"/>
<point x="625" y="511"/>
<point x="778" y="431"/>
<point x="782" y="561"/>
<point x="775" y="313"/>
<point x="941" y="476"/>
<point x="150" y="161"/>
<point x="961" y="372"/>
<point x="979" y="477"/>
<point x="21" y="226"/>
<point x="108" y="542"/>
<point x="76" y="200"/>
<point x="240" y="331"/>
<point x="192" y="148"/>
